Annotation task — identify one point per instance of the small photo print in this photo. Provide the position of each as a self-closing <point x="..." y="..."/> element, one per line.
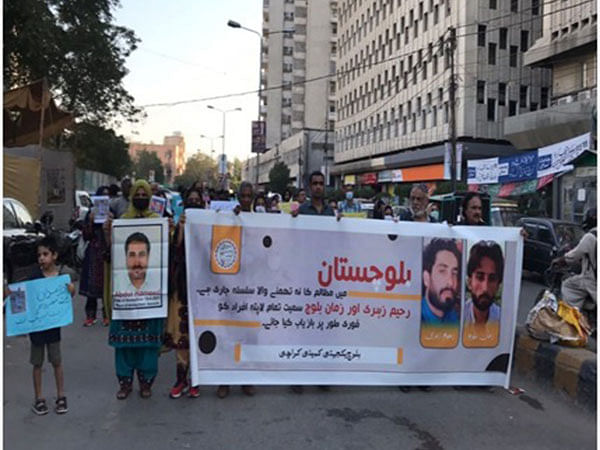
<point x="18" y="301"/>
<point x="441" y="290"/>
<point x="483" y="305"/>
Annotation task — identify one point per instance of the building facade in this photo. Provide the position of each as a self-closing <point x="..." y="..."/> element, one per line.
<point x="298" y="82"/>
<point x="171" y="153"/>
<point x="568" y="48"/>
<point x="395" y="60"/>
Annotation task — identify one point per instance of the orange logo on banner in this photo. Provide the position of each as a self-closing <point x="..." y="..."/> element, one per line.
<point x="225" y="249"/>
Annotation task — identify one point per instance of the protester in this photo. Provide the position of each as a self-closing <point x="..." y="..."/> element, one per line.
<point x="378" y="209"/>
<point x="245" y="197"/>
<point x="333" y="205"/>
<point x="274" y="207"/>
<point x="472" y="210"/>
<point x="388" y="212"/>
<point x="119" y="205"/>
<point x="155" y="188"/>
<point x="113" y="191"/>
<point x="287" y="196"/>
<point x="49" y="340"/>
<point x="349" y="205"/>
<point x="177" y="332"/>
<point x="136" y="342"/>
<point x="316" y="207"/>
<point x="260" y="203"/>
<point x="301" y="196"/>
<point x="91" y="284"/>
<point x="418" y="202"/>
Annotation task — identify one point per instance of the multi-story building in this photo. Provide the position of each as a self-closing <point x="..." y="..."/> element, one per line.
<point x="569" y="48"/>
<point x="298" y="80"/>
<point x="171" y="153"/>
<point x="395" y="59"/>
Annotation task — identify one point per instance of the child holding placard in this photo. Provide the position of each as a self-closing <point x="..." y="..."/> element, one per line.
<point x="47" y="252"/>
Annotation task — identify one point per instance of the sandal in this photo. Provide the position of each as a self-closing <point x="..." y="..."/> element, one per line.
<point x="223" y="391"/>
<point x="124" y="391"/>
<point x="61" y="405"/>
<point x="39" y="407"/>
<point x="146" y="390"/>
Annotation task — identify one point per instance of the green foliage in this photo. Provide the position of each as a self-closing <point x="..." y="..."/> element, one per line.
<point x="77" y="47"/>
<point x="199" y="167"/>
<point x="236" y="174"/>
<point x="364" y="192"/>
<point x="279" y="177"/>
<point x="147" y="161"/>
<point x="100" y="149"/>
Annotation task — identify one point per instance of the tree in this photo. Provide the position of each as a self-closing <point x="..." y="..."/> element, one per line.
<point x="100" y="149"/>
<point x="236" y="170"/>
<point x="79" y="50"/>
<point x="147" y="161"/>
<point x="199" y="167"/>
<point x="279" y="177"/>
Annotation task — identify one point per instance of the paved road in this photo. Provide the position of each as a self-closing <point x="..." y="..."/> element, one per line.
<point x="345" y="418"/>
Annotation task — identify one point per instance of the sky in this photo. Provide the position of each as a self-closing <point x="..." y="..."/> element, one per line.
<point x="187" y="51"/>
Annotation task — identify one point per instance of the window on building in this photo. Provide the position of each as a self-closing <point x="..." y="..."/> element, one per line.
<point x="535" y="7"/>
<point x="514" y="51"/>
<point x="512" y="108"/>
<point x="436" y="14"/>
<point x="544" y="97"/>
<point x="446" y="112"/>
<point x="492" y="53"/>
<point x="533" y="106"/>
<point x="424" y="70"/>
<point x="413" y="125"/>
<point x="501" y="94"/>
<point x="480" y="91"/>
<point x="491" y="110"/>
<point x="481" y="35"/>
<point x="514" y="5"/>
<point x="524" y="40"/>
<point x="434" y="64"/>
<point x="493" y="4"/>
<point x="434" y="116"/>
<point x="440" y="95"/>
<point x="503" y="38"/>
<point x="523" y="96"/>
<point x="425" y="24"/>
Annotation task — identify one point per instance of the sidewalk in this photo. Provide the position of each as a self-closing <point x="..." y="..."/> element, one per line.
<point x="569" y="370"/>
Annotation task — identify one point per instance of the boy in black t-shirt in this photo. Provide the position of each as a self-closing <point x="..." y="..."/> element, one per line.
<point x="48" y="339"/>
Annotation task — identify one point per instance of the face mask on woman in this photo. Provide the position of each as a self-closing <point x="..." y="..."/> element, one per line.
<point x="260" y="209"/>
<point x="435" y="214"/>
<point x="388" y="217"/>
<point x="349" y="195"/>
<point x="141" y="203"/>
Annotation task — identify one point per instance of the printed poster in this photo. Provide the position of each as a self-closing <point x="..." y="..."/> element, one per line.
<point x="140" y="258"/>
<point x="101" y="207"/>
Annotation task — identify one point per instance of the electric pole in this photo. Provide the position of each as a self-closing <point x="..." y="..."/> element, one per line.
<point x="451" y="46"/>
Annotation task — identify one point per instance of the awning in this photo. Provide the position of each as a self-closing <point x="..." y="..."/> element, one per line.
<point x="30" y="115"/>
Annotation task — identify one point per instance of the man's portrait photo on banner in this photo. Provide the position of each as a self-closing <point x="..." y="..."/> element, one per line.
<point x="485" y="273"/>
<point x="441" y="292"/>
<point x="137" y="267"/>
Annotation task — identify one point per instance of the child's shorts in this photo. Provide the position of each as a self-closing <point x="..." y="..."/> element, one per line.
<point x="37" y="354"/>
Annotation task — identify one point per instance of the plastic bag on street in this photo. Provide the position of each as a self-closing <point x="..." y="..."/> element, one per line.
<point x="555" y="321"/>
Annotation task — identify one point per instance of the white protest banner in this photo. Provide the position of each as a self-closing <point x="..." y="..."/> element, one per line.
<point x="556" y="157"/>
<point x="223" y="205"/>
<point x="483" y="171"/>
<point x="275" y="299"/>
<point x="101" y="207"/>
<point x="140" y="259"/>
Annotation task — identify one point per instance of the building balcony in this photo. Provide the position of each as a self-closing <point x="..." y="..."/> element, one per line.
<point x="568" y="116"/>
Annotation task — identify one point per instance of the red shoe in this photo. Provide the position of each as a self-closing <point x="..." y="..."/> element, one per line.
<point x="178" y="390"/>
<point x="194" y="392"/>
<point x="88" y="322"/>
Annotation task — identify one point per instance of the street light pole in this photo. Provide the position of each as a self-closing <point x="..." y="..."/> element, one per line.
<point x="211" y="139"/>
<point x="234" y="24"/>
<point x="223" y="112"/>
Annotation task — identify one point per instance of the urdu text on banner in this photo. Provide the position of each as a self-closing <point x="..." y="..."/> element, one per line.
<point x="275" y="299"/>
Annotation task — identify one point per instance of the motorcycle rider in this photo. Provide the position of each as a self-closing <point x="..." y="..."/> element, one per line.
<point x="575" y="289"/>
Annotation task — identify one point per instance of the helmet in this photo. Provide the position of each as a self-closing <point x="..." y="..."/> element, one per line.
<point x="589" y="219"/>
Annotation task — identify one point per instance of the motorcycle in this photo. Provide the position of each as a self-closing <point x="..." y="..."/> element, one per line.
<point x="66" y="242"/>
<point x="553" y="279"/>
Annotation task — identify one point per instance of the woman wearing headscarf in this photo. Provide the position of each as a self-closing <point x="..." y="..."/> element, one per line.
<point x="91" y="284"/>
<point x="177" y="333"/>
<point x="136" y="342"/>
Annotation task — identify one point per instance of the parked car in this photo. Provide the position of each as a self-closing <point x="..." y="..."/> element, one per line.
<point x="505" y="213"/>
<point x="546" y="240"/>
<point x="20" y="237"/>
